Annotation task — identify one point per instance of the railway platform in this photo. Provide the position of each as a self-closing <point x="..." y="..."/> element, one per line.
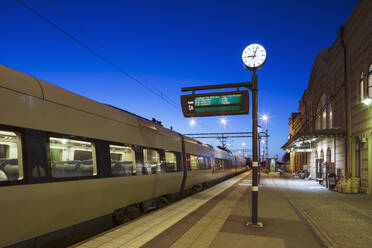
<point x="217" y="217"/>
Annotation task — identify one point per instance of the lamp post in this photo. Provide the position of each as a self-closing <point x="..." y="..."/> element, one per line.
<point x="243" y="145"/>
<point x="265" y="118"/>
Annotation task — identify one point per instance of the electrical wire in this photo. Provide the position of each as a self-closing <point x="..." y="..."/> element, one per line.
<point x="102" y="57"/>
<point x="94" y="52"/>
<point x="90" y="36"/>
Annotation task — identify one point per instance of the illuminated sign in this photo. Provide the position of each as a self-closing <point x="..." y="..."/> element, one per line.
<point x="213" y="104"/>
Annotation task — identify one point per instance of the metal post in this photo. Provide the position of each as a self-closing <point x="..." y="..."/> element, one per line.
<point x="267" y="143"/>
<point x="254" y="154"/>
<point x="259" y="149"/>
<point x="259" y="160"/>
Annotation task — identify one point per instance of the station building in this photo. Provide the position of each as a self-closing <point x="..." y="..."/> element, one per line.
<point x="332" y="132"/>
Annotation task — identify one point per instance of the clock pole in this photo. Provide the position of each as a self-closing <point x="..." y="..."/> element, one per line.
<point x="254" y="57"/>
<point x="254" y="90"/>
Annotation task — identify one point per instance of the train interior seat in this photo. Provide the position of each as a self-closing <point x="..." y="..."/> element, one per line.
<point x="9" y="167"/>
<point x="122" y="168"/>
<point x="73" y="168"/>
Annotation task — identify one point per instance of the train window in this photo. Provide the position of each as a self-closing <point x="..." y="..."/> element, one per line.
<point x="194" y="162"/>
<point x="223" y="164"/>
<point x="201" y="162"/>
<point x="207" y="162"/>
<point x="123" y="160"/>
<point x="220" y="164"/>
<point x="11" y="167"/>
<point x="72" y="158"/>
<point x="151" y="160"/>
<point x="188" y="164"/>
<point x="170" y="162"/>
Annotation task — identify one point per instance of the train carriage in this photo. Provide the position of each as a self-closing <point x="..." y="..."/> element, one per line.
<point x="69" y="166"/>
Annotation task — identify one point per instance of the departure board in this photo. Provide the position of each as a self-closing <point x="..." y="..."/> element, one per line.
<point x="213" y="104"/>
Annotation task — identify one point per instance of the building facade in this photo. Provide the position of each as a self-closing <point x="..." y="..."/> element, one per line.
<point x="332" y="132"/>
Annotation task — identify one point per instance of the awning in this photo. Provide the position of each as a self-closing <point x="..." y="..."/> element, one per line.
<point x="301" y="142"/>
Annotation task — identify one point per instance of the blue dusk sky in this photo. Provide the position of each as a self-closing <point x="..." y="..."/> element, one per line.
<point x="168" y="45"/>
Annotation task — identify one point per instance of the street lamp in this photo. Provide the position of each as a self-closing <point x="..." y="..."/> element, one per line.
<point x="367" y="101"/>
<point x="264" y="117"/>
<point x="223" y="122"/>
<point x="192" y="122"/>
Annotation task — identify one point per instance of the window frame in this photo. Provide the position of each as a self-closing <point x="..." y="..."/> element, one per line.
<point x="72" y="137"/>
<point x="176" y="158"/>
<point x="159" y="151"/>
<point x="197" y="163"/>
<point x="133" y="147"/>
<point x="21" y="132"/>
<point x="369" y="81"/>
<point x="362" y="87"/>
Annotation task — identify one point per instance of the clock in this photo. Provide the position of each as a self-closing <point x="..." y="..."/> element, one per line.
<point x="254" y="57"/>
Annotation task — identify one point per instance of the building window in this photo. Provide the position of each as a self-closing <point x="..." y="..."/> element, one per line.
<point x="330" y="116"/>
<point x="324" y="115"/>
<point x="11" y="167"/>
<point x="370" y="81"/>
<point x="123" y="160"/>
<point x="72" y="158"/>
<point x="321" y="121"/>
<point x="362" y="86"/>
<point x="329" y="155"/>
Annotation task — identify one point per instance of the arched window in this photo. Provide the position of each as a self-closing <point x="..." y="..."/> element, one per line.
<point x="321" y="121"/>
<point x="362" y="86"/>
<point x="329" y="158"/>
<point x="317" y="123"/>
<point x="330" y="116"/>
<point x="369" y="90"/>
<point x="324" y="114"/>
<point x="322" y="155"/>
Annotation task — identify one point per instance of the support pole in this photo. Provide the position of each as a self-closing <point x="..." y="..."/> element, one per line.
<point x="254" y="154"/>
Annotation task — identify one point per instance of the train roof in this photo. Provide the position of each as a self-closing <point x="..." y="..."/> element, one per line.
<point x="28" y="85"/>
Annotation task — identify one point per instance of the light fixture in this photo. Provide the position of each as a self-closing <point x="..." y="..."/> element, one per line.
<point x="192" y="122"/>
<point x="367" y="101"/>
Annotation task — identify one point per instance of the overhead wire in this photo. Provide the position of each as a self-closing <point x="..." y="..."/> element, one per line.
<point x="94" y="52"/>
<point x="108" y="50"/>
<point x="161" y="95"/>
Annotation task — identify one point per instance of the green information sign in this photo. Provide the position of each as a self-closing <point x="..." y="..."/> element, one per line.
<point x="218" y="100"/>
<point x="212" y="104"/>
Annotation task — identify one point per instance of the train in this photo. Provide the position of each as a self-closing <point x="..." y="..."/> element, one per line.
<point x="71" y="167"/>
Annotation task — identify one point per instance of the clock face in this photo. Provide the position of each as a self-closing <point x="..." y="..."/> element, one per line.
<point x="254" y="56"/>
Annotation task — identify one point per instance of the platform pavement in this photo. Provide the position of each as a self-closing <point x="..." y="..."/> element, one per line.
<point x="295" y="213"/>
<point x="340" y="220"/>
